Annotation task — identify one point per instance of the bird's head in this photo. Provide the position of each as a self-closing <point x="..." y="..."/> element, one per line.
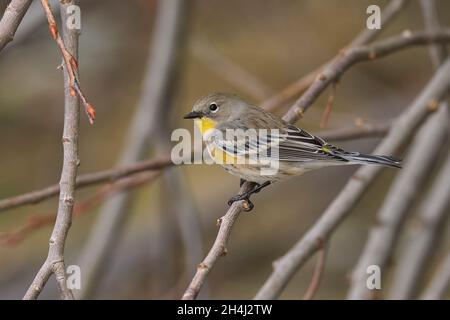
<point x="217" y="107"/>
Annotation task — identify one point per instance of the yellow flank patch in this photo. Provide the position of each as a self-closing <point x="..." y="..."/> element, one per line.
<point x="221" y="157"/>
<point x="205" y="124"/>
<point x="325" y="148"/>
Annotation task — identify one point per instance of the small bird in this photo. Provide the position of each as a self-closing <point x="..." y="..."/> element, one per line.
<point x="294" y="150"/>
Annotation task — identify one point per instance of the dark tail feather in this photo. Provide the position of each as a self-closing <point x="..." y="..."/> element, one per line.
<point x="368" y="158"/>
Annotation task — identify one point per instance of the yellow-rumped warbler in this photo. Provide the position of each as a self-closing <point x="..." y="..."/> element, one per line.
<point x="294" y="150"/>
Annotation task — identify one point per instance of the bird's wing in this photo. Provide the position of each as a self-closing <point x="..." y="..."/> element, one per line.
<point x="288" y="144"/>
<point x="298" y="145"/>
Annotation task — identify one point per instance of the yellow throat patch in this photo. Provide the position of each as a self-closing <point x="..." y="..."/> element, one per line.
<point x="205" y="124"/>
<point x="220" y="156"/>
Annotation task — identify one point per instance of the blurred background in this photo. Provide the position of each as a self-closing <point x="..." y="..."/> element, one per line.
<point x="271" y="44"/>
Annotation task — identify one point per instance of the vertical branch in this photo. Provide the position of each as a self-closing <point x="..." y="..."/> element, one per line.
<point x="55" y="259"/>
<point x="156" y="90"/>
<point x="11" y="20"/>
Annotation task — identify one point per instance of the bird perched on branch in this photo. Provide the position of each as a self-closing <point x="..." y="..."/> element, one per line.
<point x="262" y="148"/>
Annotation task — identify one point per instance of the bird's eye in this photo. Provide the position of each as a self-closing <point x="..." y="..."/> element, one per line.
<point x="213" y="107"/>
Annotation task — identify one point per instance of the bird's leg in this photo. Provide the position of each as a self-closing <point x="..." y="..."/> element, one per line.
<point x="246" y="195"/>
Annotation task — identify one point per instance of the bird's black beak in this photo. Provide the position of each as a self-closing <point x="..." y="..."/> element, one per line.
<point x="193" y="115"/>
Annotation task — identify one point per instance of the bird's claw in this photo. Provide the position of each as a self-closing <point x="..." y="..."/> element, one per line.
<point x="246" y="206"/>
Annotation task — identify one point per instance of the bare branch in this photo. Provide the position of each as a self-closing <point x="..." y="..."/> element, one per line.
<point x="409" y="182"/>
<point x="70" y="62"/>
<point x="363" y="131"/>
<point x="55" y="259"/>
<point x="229" y="70"/>
<point x="318" y="273"/>
<point x="11" y="20"/>
<point x="387" y="16"/>
<point x="87" y="180"/>
<point x="431" y="21"/>
<point x="440" y="281"/>
<point x="348" y="57"/>
<point x="426" y="235"/>
<point x="363" y="38"/>
<point x="338" y="210"/>
<point x="432" y="213"/>
<point x="218" y="250"/>
<point x="35" y="222"/>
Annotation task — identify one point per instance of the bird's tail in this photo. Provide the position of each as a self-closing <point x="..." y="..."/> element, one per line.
<point x="357" y="157"/>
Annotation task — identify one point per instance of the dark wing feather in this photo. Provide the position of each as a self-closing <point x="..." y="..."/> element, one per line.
<point x="289" y="144"/>
<point x="300" y="145"/>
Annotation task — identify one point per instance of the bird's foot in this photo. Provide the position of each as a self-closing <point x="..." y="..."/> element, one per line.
<point x="247" y="205"/>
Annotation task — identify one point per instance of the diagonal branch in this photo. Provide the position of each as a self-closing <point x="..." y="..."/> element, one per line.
<point x="11" y="20"/>
<point x="432" y="212"/>
<point x="35" y="222"/>
<point x="228" y="69"/>
<point x="408" y="184"/>
<point x="87" y="180"/>
<point x="363" y="38"/>
<point x="440" y="282"/>
<point x="353" y="55"/>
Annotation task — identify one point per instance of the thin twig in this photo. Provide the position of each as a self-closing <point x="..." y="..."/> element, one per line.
<point x="55" y="259"/>
<point x="339" y="209"/>
<point x="318" y="273"/>
<point x="329" y="107"/>
<point x="36" y="222"/>
<point x="11" y="20"/>
<point x="70" y="62"/>
<point x="364" y="37"/>
<point x="87" y="180"/>
<point x="365" y="130"/>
